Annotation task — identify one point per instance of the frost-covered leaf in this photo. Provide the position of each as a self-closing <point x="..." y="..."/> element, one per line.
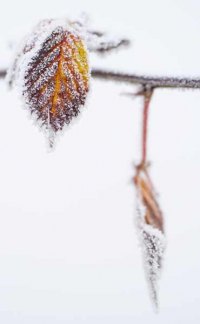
<point x="150" y="231"/>
<point x="53" y="74"/>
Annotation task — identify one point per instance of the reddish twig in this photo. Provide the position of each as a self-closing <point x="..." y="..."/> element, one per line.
<point x="147" y="98"/>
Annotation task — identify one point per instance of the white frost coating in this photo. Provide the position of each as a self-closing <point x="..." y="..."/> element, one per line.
<point x="153" y="244"/>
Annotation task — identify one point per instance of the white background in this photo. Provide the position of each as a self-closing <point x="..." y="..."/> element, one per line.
<point x="68" y="246"/>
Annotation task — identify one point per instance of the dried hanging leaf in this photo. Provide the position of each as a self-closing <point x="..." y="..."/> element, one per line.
<point x="151" y="232"/>
<point x="53" y="70"/>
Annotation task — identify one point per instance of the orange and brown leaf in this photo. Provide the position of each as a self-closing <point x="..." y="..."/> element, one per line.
<point x="54" y="70"/>
<point x="153" y="213"/>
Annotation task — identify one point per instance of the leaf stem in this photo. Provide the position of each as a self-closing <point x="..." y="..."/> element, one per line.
<point x="147" y="98"/>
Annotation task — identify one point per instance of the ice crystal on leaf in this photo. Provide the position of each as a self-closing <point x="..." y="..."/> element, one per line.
<point x="52" y="72"/>
<point x="150" y="231"/>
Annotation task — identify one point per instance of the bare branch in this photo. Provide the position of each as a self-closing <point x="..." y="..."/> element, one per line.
<point x="152" y="82"/>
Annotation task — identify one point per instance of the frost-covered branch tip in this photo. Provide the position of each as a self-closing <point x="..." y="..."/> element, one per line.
<point x="98" y="41"/>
